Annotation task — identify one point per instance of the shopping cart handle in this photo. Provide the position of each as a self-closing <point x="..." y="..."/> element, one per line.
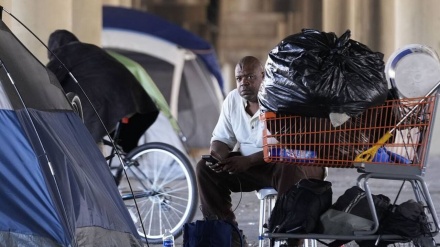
<point x="368" y="155"/>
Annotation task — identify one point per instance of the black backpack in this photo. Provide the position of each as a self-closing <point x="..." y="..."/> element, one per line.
<point x="298" y="210"/>
<point x="351" y="213"/>
<point x="407" y="220"/>
<point x="352" y="206"/>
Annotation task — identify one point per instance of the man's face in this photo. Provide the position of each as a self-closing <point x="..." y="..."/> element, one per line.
<point x="249" y="78"/>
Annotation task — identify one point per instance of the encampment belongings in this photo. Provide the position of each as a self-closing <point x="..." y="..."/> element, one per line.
<point x="407" y="220"/>
<point x="315" y="74"/>
<point x="413" y="70"/>
<point x="298" y="210"/>
<point x="351" y="212"/>
<point x="386" y="156"/>
<point x="210" y="232"/>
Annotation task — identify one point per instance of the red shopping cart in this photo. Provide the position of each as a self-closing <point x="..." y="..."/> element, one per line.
<point x="390" y="141"/>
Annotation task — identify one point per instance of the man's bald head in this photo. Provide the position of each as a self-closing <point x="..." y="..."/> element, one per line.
<point x="250" y="61"/>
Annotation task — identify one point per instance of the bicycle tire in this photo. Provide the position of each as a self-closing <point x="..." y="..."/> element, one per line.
<point x="166" y="196"/>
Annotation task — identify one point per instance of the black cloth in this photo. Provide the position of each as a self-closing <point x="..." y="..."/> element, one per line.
<point x="111" y="88"/>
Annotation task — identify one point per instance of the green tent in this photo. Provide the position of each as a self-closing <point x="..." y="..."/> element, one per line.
<point x="157" y="97"/>
<point x="150" y="87"/>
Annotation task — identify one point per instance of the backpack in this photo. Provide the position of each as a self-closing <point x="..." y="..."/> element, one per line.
<point x="351" y="212"/>
<point x="407" y="220"/>
<point x="210" y="232"/>
<point x="298" y="210"/>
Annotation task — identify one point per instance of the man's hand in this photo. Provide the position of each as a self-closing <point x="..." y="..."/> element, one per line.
<point x="235" y="164"/>
<point x="215" y="166"/>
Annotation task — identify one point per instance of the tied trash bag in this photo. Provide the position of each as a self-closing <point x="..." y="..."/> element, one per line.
<point x="316" y="74"/>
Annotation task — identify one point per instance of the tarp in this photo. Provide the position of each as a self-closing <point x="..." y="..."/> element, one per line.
<point x="177" y="62"/>
<point x="55" y="185"/>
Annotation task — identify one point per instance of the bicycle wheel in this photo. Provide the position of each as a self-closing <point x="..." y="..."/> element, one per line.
<point x="164" y="188"/>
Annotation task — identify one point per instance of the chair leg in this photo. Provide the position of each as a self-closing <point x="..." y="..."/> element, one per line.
<point x="267" y="202"/>
<point x="260" y="223"/>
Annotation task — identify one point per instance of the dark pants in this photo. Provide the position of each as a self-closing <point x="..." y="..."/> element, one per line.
<point x="215" y="188"/>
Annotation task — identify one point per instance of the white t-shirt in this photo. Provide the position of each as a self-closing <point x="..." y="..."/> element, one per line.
<point x="236" y="125"/>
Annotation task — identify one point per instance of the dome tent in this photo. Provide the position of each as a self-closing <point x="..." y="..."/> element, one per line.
<point x="55" y="185"/>
<point x="183" y="66"/>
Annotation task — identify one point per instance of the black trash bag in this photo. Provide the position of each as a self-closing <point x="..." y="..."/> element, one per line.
<point x="315" y="73"/>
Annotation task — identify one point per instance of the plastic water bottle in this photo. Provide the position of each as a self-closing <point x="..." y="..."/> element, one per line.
<point x="168" y="239"/>
<point x="291" y="155"/>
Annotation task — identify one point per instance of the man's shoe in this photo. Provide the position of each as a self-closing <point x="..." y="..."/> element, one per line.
<point x="236" y="239"/>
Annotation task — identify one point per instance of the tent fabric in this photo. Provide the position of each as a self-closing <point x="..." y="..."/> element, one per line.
<point x="127" y="19"/>
<point x="44" y="93"/>
<point x="148" y="84"/>
<point x="19" y="166"/>
<point x="111" y="88"/>
<point x="167" y="52"/>
<point x="55" y="185"/>
<point x="198" y="107"/>
<point x="165" y="128"/>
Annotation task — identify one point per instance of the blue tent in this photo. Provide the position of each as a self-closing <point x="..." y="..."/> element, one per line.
<point x="128" y="19"/>
<point x="55" y="186"/>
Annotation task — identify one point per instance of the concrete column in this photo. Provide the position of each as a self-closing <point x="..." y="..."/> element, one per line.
<point x="42" y="17"/>
<point x="123" y="3"/>
<point x="362" y="18"/>
<point x="417" y="22"/>
<point x="386" y="28"/>
<point x="87" y="20"/>
<point x="6" y="4"/>
<point x="335" y="16"/>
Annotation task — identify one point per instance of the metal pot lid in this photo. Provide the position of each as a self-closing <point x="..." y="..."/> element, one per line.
<point x="413" y="70"/>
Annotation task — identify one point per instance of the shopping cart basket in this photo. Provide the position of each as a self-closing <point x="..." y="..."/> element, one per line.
<point x="310" y="141"/>
<point x="396" y="135"/>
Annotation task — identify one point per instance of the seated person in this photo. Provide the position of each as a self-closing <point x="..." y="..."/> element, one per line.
<point x="239" y="123"/>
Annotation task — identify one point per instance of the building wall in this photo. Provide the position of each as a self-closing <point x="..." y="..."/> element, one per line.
<point x="42" y="17"/>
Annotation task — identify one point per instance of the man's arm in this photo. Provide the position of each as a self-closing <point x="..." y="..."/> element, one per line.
<point x="256" y="159"/>
<point x="219" y="150"/>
